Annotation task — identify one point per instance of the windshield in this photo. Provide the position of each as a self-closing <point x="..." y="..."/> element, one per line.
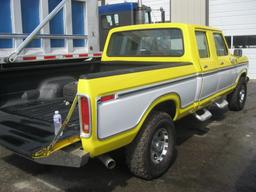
<point x="150" y="42"/>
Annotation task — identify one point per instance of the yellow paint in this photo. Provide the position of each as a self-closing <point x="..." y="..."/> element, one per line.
<point x="97" y="147"/>
<point x="108" y="85"/>
<point x="97" y="87"/>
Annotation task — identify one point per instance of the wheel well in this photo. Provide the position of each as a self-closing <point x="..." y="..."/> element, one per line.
<point x="243" y="75"/>
<point x="166" y="106"/>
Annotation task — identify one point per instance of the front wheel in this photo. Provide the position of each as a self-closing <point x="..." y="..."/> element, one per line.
<point x="237" y="98"/>
<point x="152" y="152"/>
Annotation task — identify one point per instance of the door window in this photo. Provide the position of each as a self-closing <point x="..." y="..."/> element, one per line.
<point x="220" y="45"/>
<point x="202" y="44"/>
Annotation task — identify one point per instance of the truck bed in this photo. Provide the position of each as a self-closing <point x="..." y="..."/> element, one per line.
<point x="30" y="93"/>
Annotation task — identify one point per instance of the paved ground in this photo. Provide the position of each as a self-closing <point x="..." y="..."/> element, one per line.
<point x="219" y="155"/>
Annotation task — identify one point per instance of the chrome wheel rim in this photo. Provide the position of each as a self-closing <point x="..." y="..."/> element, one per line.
<point x="159" y="146"/>
<point x="242" y="95"/>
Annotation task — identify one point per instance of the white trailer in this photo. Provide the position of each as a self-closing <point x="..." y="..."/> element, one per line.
<point x="42" y="30"/>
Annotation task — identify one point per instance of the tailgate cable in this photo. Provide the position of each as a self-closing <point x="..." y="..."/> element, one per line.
<point x="47" y="150"/>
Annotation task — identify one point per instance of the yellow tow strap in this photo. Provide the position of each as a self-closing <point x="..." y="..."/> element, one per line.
<point x="46" y="151"/>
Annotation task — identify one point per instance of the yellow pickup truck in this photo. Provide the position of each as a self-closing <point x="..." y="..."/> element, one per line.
<point x="150" y="76"/>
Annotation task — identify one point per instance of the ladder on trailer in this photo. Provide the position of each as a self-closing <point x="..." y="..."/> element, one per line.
<point x="16" y="56"/>
<point x="12" y="57"/>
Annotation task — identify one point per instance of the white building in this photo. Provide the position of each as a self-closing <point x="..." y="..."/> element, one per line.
<point x="237" y="18"/>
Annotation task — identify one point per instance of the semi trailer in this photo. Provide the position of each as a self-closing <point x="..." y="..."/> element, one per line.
<point x="61" y="30"/>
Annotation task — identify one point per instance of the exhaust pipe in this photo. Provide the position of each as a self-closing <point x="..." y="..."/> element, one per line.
<point x="109" y="162"/>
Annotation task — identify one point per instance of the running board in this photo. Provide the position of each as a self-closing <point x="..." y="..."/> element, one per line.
<point x="221" y="104"/>
<point x="204" y="116"/>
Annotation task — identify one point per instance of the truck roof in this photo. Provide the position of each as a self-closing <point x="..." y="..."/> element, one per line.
<point x="161" y="25"/>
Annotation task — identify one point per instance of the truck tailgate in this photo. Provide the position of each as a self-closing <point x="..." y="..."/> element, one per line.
<point x="27" y="128"/>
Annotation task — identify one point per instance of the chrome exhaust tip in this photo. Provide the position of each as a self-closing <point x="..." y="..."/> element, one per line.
<point x="109" y="162"/>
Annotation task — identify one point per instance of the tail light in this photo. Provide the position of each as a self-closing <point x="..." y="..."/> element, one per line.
<point x="85" y="115"/>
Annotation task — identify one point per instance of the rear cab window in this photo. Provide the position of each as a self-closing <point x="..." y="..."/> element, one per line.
<point x="221" y="48"/>
<point x="148" y="42"/>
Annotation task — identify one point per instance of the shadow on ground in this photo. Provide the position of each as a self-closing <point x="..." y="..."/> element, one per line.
<point x="92" y="177"/>
<point x="190" y="126"/>
<point x="247" y="181"/>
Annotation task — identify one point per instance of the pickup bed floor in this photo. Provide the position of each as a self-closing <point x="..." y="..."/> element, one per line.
<point x="25" y="128"/>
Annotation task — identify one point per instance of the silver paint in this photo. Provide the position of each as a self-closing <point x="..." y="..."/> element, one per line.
<point x="126" y="111"/>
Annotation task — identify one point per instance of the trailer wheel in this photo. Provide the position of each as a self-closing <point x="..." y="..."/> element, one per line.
<point x="151" y="153"/>
<point x="237" y="98"/>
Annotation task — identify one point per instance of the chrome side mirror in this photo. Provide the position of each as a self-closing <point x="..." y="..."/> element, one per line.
<point x="238" y="52"/>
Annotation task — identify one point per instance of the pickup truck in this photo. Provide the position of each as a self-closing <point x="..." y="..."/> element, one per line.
<point x="150" y="76"/>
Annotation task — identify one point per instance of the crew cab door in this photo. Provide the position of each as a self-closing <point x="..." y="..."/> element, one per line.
<point x="209" y="77"/>
<point x="227" y="74"/>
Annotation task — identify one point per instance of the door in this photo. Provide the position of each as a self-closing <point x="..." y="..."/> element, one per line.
<point x="227" y="73"/>
<point x="209" y="78"/>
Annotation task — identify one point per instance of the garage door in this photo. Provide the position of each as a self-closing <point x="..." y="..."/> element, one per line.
<point x="237" y="19"/>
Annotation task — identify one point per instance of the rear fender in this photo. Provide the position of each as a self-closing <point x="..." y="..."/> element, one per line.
<point x="96" y="146"/>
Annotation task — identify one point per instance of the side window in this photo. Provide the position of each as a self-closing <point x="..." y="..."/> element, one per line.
<point x="202" y="44"/>
<point x="220" y="45"/>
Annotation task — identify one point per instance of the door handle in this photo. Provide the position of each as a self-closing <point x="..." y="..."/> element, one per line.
<point x="222" y="63"/>
<point x="205" y="66"/>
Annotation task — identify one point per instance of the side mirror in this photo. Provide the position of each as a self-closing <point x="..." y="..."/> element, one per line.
<point x="238" y="52"/>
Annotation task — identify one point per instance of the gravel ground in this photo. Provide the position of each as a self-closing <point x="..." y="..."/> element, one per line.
<point x="218" y="155"/>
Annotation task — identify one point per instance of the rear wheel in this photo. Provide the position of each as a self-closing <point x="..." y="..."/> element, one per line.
<point x="237" y="98"/>
<point x="151" y="153"/>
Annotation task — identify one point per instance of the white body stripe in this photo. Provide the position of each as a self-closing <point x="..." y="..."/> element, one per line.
<point x="126" y="111"/>
<point x="227" y="78"/>
<point x="209" y="85"/>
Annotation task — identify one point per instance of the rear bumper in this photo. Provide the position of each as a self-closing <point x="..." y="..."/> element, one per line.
<point x="72" y="156"/>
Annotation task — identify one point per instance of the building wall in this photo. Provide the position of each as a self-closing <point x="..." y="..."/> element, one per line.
<point x="154" y="4"/>
<point x="189" y="11"/>
<point x="233" y="16"/>
<point x="237" y="18"/>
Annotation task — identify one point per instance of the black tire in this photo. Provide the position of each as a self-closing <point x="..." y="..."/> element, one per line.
<point x="140" y="154"/>
<point x="237" y="98"/>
